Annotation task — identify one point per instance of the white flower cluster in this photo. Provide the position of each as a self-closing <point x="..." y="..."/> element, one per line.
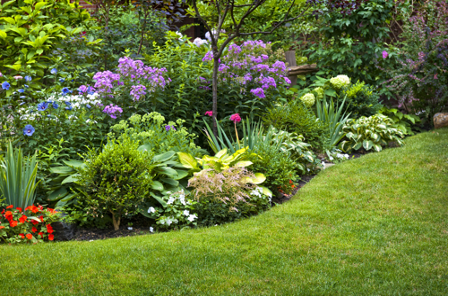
<point x="308" y="99"/>
<point x="182" y="199"/>
<point x="77" y="101"/>
<point x="340" y="81"/>
<point x="199" y="42"/>
<point x="258" y="191"/>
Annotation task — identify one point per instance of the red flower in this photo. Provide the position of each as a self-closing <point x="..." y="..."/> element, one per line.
<point x="3" y="211"/>
<point x="49" y="229"/>
<point x="34" y="222"/>
<point x="8" y="215"/>
<point x="13" y="223"/>
<point x="23" y="219"/>
<point x="9" y="207"/>
<point x="29" y="236"/>
<point x="41" y="218"/>
<point x="40" y="207"/>
<point x="34" y="229"/>
<point x="1" y="227"/>
<point x="41" y="234"/>
<point x="19" y="209"/>
<point x="51" y="237"/>
<point x="33" y="208"/>
<point x="51" y="210"/>
<point x="22" y="235"/>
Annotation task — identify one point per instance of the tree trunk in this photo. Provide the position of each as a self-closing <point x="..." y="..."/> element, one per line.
<point x="115" y="221"/>
<point x="215" y="94"/>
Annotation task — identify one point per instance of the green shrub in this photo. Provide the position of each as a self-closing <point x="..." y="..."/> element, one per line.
<point x="31" y="30"/>
<point x="156" y="135"/>
<point x="403" y="122"/>
<point x="226" y="196"/>
<point x="295" y="117"/>
<point x="361" y="100"/>
<point x="123" y="179"/>
<point x="276" y="164"/>
<point x="370" y="133"/>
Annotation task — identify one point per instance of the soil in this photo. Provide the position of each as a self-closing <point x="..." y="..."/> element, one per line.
<point x="95" y="233"/>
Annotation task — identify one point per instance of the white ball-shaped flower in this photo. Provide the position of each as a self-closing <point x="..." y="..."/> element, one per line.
<point x="308" y="99"/>
<point x="340" y="81"/>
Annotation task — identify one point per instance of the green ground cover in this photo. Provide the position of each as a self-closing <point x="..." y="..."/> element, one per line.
<point x="371" y="226"/>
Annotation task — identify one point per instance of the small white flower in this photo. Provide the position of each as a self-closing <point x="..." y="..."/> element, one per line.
<point x="182" y="199"/>
<point x="171" y="200"/>
<point x="186" y="213"/>
<point x="322" y="163"/>
<point x="151" y="210"/>
<point x="308" y="169"/>
<point x="192" y="218"/>
<point x="330" y="158"/>
<point x="130" y="228"/>
<point x="151" y="229"/>
<point x="346" y="156"/>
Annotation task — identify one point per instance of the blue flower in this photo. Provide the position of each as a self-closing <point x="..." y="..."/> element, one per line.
<point x="42" y="106"/>
<point x="61" y="80"/>
<point x="55" y="105"/>
<point x="28" y="130"/>
<point x="28" y="78"/>
<point x="22" y="97"/>
<point x="22" y="103"/>
<point x="5" y="85"/>
<point x="66" y="91"/>
<point x="21" y="90"/>
<point x="54" y="71"/>
<point x="88" y="106"/>
<point x="69" y="105"/>
<point x="26" y="86"/>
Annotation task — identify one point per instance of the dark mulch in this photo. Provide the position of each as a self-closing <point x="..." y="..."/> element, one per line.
<point x="95" y="234"/>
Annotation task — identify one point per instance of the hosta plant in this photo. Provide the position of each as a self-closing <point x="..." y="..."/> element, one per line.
<point x="370" y="133"/>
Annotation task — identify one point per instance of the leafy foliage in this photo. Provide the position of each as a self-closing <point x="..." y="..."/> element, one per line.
<point x="351" y="36"/>
<point x="403" y="122"/>
<point x="30" y="30"/>
<point x="18" y="178"/>
<point x="225" y="196"/>
<point x="295" y="117"/>
<point x="121" y="178"/>
<point x="370" y="133"/>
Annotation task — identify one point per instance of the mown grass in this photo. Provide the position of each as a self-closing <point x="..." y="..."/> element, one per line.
<point x="371" y="226"/>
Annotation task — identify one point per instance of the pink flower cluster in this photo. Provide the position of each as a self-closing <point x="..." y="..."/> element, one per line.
<point x="137" y="91"/>
<point x="235" y="118"/>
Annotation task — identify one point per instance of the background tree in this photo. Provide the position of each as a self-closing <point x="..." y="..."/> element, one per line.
<point x="239" y="12"/>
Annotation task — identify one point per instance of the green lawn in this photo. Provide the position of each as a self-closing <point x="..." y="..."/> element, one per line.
<point x="371" y="226"/>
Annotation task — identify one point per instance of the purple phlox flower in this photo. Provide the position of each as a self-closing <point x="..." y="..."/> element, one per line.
<point x="280" y="65"/>
<point x="208" y="57"/>
<point x="288" y="81"/>
<point x="258" y="92"/>
<point x="112" y="110"/>
<point x="384" y="54"/>
<point x="168" y="128"/>
<point x="137" y="91"/>
<point x="223" y="67"/>
<point x="42" y="106"/>
<point x="264" y="57"/>
<point x="28" y="130"/>
<point x="235" y="49"/>
<point x="267" y="82"/>
<point x="82" y="89"/>
<point x="257" y="60"/>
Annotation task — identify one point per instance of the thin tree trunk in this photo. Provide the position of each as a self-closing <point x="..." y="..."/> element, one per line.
<point x="115" y="221"/>
<point x="215" y="94"/>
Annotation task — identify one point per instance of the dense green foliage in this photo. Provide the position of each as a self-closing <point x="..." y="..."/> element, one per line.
<point x="31" y="29"/>
<point x="295" y="117"/>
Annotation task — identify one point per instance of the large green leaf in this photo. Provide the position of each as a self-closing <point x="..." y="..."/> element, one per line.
<point x="61" y="170"/>
<point x="58" y="194"/>
<point x="163" y="157"/>
<point x="188" y="161"/>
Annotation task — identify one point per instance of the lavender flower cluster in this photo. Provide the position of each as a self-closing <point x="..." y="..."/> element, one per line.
<point x="251" y="67"/>
<point x="140" y="79"/>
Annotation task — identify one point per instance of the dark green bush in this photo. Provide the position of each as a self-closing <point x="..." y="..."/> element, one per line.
<point x="296" y="117"/>
<point x="276" y="165"/>
<point x="361" y="100"/>
<point x="114" y="181"/>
